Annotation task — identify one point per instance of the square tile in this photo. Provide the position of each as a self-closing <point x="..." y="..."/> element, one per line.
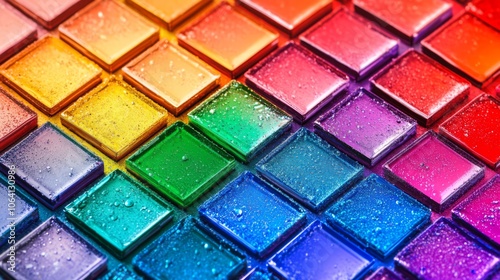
<point x="467" y="45"/>
<point x="121" y="273"/>
<point x="239" y="120"/>
<point x="421" y="87"/>
<point x="310" y="170"/>
<point x="17" y="33"/>
<point x="411" y="20"/>
<point x="15" y="120"/>
<point x="444" y="251"/>
<point x="181" y="163"/>
<point x="228" y="40"/>
<point x="19" y="212"/>
<point x="291" y="16"/>
<point x="317" y="254"/>
<point x="186" y="252"/>
<point x="481" y="211"/>
<point x="51" y="166"/>
<point x="119" y="212"/>
<point x="54" y="251"/>
<point x="378" y="215"/>
<point x="109" y="33"/>
<point x="49" y="13"/>
<point x="171" y="76"/>
<point x="487" y="10"/>
<point x="50" y="74"/>
<point x="383" y="273"/>
<point x="350" y="43"/>
<point x="297" y="80"/>
<point x="251" y="213"/>
<point x="433" y="171"/>
<point x="365" y="127"/>
<point x="115" y="118"/>
<point x="476" y="128"/>
<point x="168" y="14"/>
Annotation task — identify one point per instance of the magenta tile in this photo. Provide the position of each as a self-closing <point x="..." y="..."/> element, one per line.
<point x="365" y="127"/>
<point x="16" y="31"/>
<point x="444" y="251"/>
<point x="297" y="80"/>
<point x="383" y="273"/>
<point x="350" y="43"/>
<point x="434" y="171"/>
<point x="481" y="211"/>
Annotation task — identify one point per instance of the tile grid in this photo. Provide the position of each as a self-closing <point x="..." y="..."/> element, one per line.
<point x="111" y="165"/>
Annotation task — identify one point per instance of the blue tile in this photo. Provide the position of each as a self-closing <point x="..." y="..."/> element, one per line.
<point x="317" y="254"/>
<point x="259" y="274"/>
<point x="253" y="214"/>
<point x="121" y="272"/>
<point x="187" y="252"/>
<point x="309" y="169"/>
<point x="378" y="215"/>
<point x="17" y="212"/>
<point x="51" y="166"/>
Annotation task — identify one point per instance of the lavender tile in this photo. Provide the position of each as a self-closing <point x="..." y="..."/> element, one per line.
<point x="17" y="210"/>
<point x="51" y="166"/>
<point x="444" y="251"/>
<point x="481" y="211"/>
<point x="365" y="127"/>
<point x="383" y="273"/>
<point x="316" y="254"/>
<point x="54" y="251"/>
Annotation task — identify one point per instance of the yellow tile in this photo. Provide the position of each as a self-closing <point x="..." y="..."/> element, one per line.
<point x="114" y="117"/>
<point x="168" y="13"/>
<point x="110" y="33"/>
<point x="171" y="76"/>
<point x="50" y="74"/>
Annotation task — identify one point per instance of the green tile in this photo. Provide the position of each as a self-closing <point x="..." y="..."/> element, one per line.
<point x="181" y="163"/>
<point x="119" y="212"/>
<point x="239" y="120"/>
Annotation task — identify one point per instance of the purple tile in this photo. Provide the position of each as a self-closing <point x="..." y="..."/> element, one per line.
<point x="434" y="171"/>
<point x="444" y="251"/>
<point x="54" y="251"/>
<point x="51" y="166"/>
<point x="481" y="211"/>
<point x="383" y="273"/>
<point x="365" y="127"/>
<point x="316" y="254"/>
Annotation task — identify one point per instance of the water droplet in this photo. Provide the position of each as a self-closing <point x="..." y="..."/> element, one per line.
<point x="185" y="158"/>
<point x="129" y="203"/>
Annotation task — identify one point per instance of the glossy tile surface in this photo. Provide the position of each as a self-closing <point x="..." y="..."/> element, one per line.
<point x="476" y="129"/>
<point x="378" y="215"/>
<point x="15" y="120"/>
<point x="228" y="40"/>
<point x="350" y="43"/>
<point x="181" y="163"/>
<point x="365" y="127"/>
<point x="410" y="19"/>
<point x="316" y="254"/>
<point x="420" y="86"/>
<point x="433" y="171"/>
<point x="486" y="10"/>
<point x="51" y="166"/>
<point x="292" y="16"/>
<point x="50" y="74"/>
<point x="135" y="213"/>
<point x="309" y="169"/>
<point x="114" y="117"/>
<point x="185" y="251"/>
<point x="467" y="45"/>
<point x="239" y="120"/>
<point x="54" y="243"/>
<point x="109" y="33"/>
<point x="171" y="76"/>
<point x="241" y="203"/>
<point x="444" y="251"/>
<point x="17" y="31"/>
<point x="297" y="80"/>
